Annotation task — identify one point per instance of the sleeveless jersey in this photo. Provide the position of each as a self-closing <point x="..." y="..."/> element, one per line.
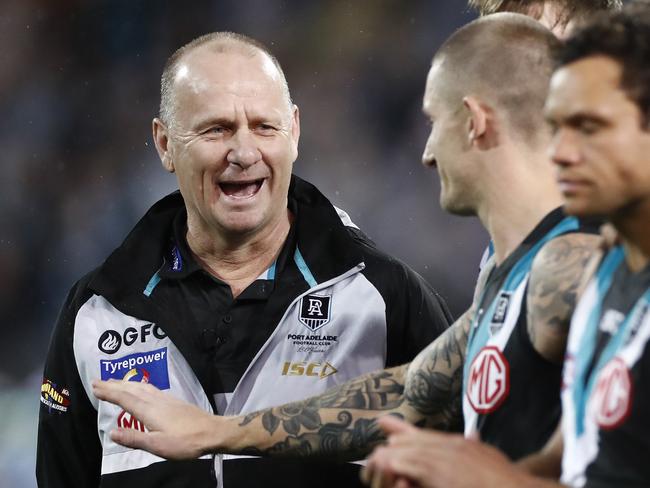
<point x="511" y="394"/>
<point x="605" y="395"/>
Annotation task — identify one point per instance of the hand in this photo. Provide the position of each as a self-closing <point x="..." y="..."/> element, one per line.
<point x="176" y="430"/>
<point x="430" y="459"/>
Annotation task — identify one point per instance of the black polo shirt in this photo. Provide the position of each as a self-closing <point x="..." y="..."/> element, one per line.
<point x="227" y="331"/>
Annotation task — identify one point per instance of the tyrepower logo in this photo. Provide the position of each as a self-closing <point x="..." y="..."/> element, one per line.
<point x="488" y="381"/>
<point x="127" y="421"/>
<point x="303" y="368"/>
<point x="613" y="394"/>
<point x="54" y="398"/>
<point x="145" y="367"/>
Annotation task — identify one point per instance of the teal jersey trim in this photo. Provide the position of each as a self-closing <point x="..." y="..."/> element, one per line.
<point x="304" y="269"/>
<point x="584" y="382"/>
<point x="153" y="282"/>
<point x="479" y="333"/>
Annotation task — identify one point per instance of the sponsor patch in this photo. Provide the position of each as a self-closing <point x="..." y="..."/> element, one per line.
<point x="127" y="421"/>
<point x="145" y="367"/>
<point x="613" y="394"/>
<point x="111" y="340"/>
<point x="303" y="368"/>
<point x="488" y="382"/>
<point x="54" y="398"/>
<point x="315" y="311"/>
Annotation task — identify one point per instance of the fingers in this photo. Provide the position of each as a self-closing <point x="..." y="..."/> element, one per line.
<point x="131" y="438"/>
<point x="129" y="395"/>
<point x="392" y="425"/>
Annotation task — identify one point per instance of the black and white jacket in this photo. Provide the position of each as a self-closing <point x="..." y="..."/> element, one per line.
<point x="340" y="308"/>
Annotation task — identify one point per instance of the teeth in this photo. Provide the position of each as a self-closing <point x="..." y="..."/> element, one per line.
<point x="241" y="190"/>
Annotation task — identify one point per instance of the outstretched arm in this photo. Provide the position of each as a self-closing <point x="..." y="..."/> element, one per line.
<point x="340" y="423"/>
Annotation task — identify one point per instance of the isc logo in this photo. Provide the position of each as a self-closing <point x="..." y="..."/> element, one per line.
<point x="321" y="370"/>
<point x="488" y="381"/>
<point x="127" y="421"/>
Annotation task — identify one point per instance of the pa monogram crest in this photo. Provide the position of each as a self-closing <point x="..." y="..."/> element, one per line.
<point x="315" y="311"/>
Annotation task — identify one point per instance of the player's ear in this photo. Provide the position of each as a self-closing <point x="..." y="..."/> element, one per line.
<point x="161" y="140"/>
<point x="478" y="118"/>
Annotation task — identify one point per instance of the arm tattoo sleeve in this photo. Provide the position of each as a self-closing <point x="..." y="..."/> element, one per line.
<point x="341" y="423"/>
<point x="555" y="281"/>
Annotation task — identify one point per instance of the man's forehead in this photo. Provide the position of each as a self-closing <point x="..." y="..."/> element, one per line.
<point x="245" y="72"/>
<point x="588" y="84"/>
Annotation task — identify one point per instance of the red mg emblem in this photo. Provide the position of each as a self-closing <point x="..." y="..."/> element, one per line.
<point x="613" y="394"/>
<point x="127" y="421"/>
<point x="488" y="381"/>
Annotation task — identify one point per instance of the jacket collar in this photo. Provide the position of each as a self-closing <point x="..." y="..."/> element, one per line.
<point x="325" y="244"/>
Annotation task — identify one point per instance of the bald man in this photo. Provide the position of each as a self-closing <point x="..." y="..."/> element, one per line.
<point x="245" y="290"/>
<point x="499" y="365"/>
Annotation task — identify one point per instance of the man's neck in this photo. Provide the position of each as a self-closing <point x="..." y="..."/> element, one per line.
<point x="633" y="225"/>
<point x="519" y="200"/>
<point x="238" y="260"/>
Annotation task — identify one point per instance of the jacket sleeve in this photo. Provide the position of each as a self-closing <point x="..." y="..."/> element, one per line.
<point x="415" y="314"/>
<point x="69" y="451"/>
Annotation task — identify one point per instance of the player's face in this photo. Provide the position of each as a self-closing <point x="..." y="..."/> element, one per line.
<point x="600" y="149"/>
<point x="233" y="141"/>
<point x="446" y="150"/>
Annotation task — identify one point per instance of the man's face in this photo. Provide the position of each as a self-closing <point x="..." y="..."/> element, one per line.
<point x="232" y="142"/>
<point x="447" y="146"/>
<point x="600" y="149"/>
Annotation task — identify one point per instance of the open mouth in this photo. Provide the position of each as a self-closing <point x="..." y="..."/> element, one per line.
<point x="241" y="189"/>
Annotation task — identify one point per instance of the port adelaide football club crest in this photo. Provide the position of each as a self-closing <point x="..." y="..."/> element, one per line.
<point x="315" y="311"/>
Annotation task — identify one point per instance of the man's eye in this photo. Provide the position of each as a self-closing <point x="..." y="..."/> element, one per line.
<point x="216" y="130"/>
<point x="589" y="127"/>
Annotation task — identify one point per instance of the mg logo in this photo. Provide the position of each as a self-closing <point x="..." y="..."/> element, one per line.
<point x="488" y="381"/>
<point x="315" y="311"/>
<point x="127" y="421"/>
<point x="613" y="394"/>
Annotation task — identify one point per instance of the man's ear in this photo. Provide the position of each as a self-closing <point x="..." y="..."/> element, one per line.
<point x="295" y="126"/>
<point x="477" y="118"/>
<point x="161" y="140"/>
<point x="481" y="129"/>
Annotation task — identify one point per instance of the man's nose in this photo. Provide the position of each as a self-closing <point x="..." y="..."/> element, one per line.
<point x="564" y="149"/>
<point x="244" y="151"/>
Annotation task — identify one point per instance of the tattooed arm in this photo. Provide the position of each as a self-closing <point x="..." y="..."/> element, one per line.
<point x="556" y="280"/>
<point x="340" y="423"/>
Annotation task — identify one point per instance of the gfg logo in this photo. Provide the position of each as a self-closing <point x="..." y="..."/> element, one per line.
<point x="111" y="340"/>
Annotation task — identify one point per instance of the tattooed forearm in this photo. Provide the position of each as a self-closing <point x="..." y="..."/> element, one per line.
<point x="434" y="384"/>
<point x="554" y="285"/>
<point x="341" y="423"/>
<point x="344" y="439"/>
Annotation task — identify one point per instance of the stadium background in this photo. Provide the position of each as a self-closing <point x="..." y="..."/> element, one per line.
<point x="78" y="88"/>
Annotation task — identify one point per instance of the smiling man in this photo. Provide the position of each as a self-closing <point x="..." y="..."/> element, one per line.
<point x="244" y="290"/>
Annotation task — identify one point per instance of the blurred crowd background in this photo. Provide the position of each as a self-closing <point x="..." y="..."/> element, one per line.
<point x="79" y="84"/>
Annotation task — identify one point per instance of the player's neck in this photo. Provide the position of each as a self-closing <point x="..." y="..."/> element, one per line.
<point x="633" y="225"/>
<point x="518" y="203"/>
<point x="239" y="261"/>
